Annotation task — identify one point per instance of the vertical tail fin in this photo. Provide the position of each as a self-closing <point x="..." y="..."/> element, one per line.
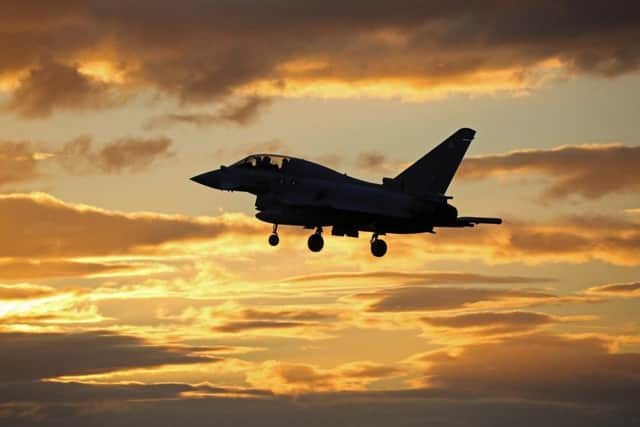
<point x="435" y="170"/>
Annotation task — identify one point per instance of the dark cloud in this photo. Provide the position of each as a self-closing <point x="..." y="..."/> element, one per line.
<point x="41" y="226"/>
<point x="289" y="314"/>
<point x="206" y="51"/>
<point x="253" y="319"/>
<point x="14" y="270"/>
<point x="380" y="409"/>
<point x="27" y="356"/>
<point x="434" y="277"/>
<point x="242" y="113"/>
<point x="539" y="367"/>
<point x="617" y="289"/>
<point x="422" y="298"/>
<point x="491" y="323"/>
<point x="591" y="171"/>
<point x="252" y="325"/>
<point x="52" y="86"/>
<point x="577" y="238"/>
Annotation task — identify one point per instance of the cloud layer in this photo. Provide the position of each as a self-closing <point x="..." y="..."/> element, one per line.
<point x="591" y="171"/>
<point x="323" y="48"/>
<point x="25" y="161"/>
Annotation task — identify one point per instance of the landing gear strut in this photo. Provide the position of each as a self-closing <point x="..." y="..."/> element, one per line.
<point x="316" y="242"/>
<point x="273" y="238"/>
<point x="378" y="246"/>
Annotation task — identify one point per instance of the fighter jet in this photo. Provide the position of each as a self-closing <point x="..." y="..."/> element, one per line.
<point x="294" y="191"/>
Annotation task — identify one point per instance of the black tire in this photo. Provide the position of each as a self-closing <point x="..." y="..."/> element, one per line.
<point x="378" y="248"/>
<point x="315" y="242"/>
<point x="274" y="240"/>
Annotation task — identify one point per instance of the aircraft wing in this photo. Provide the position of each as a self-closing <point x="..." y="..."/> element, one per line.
<point x="470" y="221"/>
<point x="348" y="206"/>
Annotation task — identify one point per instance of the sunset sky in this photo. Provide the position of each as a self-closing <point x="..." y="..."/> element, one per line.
<point x="129" y="295"/>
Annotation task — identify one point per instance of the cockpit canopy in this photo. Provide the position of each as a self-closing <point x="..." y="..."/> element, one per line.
<point x="264" y="161"/>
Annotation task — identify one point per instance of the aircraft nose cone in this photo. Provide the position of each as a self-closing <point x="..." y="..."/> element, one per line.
<point x="210" y="179"/>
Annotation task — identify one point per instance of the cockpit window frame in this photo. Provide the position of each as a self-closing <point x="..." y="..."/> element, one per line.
<point x="264" y="161"/>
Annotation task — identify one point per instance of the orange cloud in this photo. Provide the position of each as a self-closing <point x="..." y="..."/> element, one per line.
<point x="491" y="323"/>
<point x="51" y="86"/>
<point x="243" y="113"/>
<point x="28" y="357"/>
<point x="297" y="378"/>
<point x="415" y="49"/>
<point x="572" y="239"/>
<point x="18" y="162"/>
<point x="21" y="161"/>
<point x="43" y="227"/>
<point x="591" y="171"/>
<point x="13" y="270"/>
<point x="538" y="367"/>
<point x="425" y="298"/>
<point x="24" y="291"/>
<point x="625" y="290"/>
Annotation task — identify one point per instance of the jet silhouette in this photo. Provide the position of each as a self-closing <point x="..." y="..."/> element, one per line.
<point x="293" y="191"/>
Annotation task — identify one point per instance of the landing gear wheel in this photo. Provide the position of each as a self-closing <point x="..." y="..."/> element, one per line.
<point x="378" y="247"/>
<point x="315" y="242"/>
<point x="274" y="240"/>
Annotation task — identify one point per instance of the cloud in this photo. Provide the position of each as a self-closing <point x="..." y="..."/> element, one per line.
<point x="573" y="239"/>
<point x="423" y="298"/>
<point x="41" y="226"/>
<point x="625" y="290"/>
<point x="22" y="269"/>
<point x="492" y="323"/>
<point x="539" y="367"/>
<point x="414" y="48"/>
<point x="51" y="86"/>
<point x="24" y="291"/>
<point x="122" y="155"/>
<point x="241" y="113"/>
<point x="303" y="314"/>
<point x="435" y="277"/>
<point x="591" y="171"/>
<point x="296" y="378"/>
<point x="252" y="325"/>
<point x="151" y="405"/>
<point x="23" y="161"/>
<point x="29" y="357"/>
<point x="18" y="162"/>
<point x="268" y="320"/>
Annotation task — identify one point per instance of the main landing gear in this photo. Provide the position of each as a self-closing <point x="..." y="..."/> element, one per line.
<point x="378" y="246"/>
<point x="316" y="242"/>
<point x="273" y="238"/>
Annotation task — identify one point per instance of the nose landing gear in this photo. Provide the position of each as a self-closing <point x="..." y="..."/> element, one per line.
<point x="378" y="246"/>
<point x="316" y="242"/>
<point x="273" y="238"/>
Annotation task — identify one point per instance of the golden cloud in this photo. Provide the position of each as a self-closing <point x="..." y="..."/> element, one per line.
<point x="298" y="378"/>
<point x="538" y="367"/>
<point x="413" y="49"/>
<point x="591" y="171"/>
<point x="22" y="161"/>
<point x="625" y="290"/>
<point x="43" y="227"/>
<point x="432" y="298"/>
